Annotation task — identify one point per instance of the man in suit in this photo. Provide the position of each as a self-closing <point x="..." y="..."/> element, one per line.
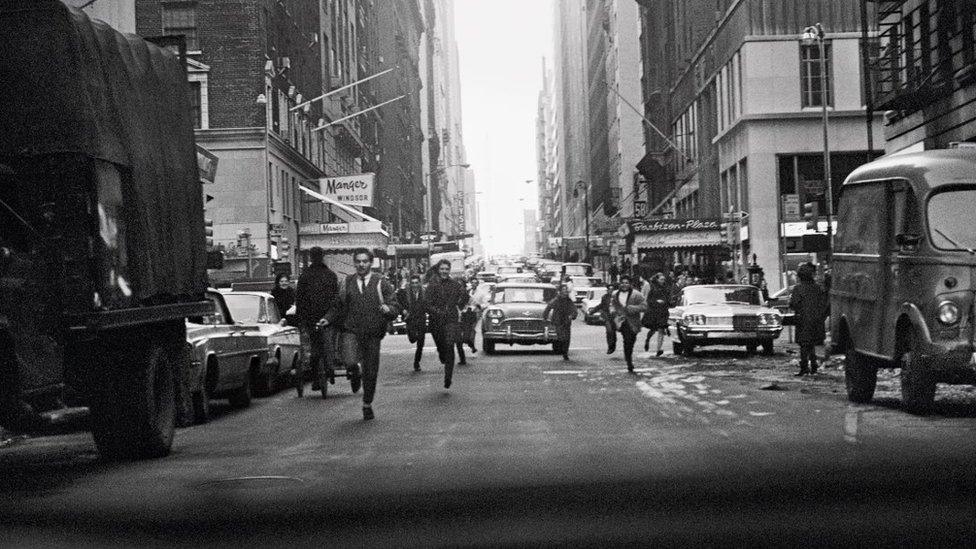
<point x="413" y="302"/>
<point x="369" y="302"/>
<point x="627" y="306"/>
<point x="445" y="298"/>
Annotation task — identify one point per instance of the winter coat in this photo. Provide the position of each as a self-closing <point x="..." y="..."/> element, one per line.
<point x="809" y="304"/>
<point x="284" y="299"/>
<point x="631" y="313"/>
<point x="317" y="294"/>
<point x="563" y="311"/>
<point x="656" y="317"/>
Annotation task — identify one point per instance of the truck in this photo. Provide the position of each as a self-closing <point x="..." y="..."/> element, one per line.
<point x="102" y="244"/>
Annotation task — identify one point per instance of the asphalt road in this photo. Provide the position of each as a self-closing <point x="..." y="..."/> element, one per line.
<point x="527" y="449"/>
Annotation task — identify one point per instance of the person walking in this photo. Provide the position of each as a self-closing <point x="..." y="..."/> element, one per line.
<point x="369" y="302"/>
<point x="283" y="294"/>
<point x="656" y="317"/>
<point x="445" y="297"/>
<point x="608" y="323"/>
<point x="614" y="272"/>
<point x="413" y="303"/>
<point x="809" y="304"/>
<point x="563" y="311"/>
<point x="627" y="305"/>
<point x="317" y="309"/>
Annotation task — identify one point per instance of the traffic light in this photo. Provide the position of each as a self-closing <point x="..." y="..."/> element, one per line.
<point x="208" y="231"/>
<point x="811" y="214"/>
<point x="284" y="249"/>
<point x="723" y="232"/>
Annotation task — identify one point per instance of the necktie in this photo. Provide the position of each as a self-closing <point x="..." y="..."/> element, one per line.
<point x="362" y="285"/>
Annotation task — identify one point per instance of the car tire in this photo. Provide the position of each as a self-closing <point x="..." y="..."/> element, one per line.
<point x="751" y="348"/>
<point x="767" y="347"/>
<point x="917" y="384"/>
<point x="265" y="382"/>
<point x="488" y="346"/>
<point x="860" y="377"/>
<point x="241" y="397"/>
<point x="135" y="416"/>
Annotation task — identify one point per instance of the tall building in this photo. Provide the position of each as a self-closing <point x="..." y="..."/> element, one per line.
<point x="451" y="201"/>
<point x="529" y="222"/>
<point x="745" y="128"/>
<point x="547" y="167"/>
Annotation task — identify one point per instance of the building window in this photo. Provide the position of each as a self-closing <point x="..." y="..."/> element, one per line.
<point x="195" y="112"/>
<point x="181" y="18"/>
<point x="810" y="82"/>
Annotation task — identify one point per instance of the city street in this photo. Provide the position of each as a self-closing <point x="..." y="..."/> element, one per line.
<point x="526" y="448"/>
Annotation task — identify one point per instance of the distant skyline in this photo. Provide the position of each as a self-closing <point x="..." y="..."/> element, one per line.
<point x="502" y="44"/>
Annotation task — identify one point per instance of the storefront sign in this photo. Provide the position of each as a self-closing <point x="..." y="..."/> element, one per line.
<point x="674" y="225"/>
<point x="687" y="239"/>
<point x="791" y="207"/>
<point x="351" y="190"/>
<point x="335" y="228"/>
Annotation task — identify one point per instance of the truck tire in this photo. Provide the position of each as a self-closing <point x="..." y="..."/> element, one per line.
<point x="917" y="384"/>
<point x="241" y="397"/>
<point x="135" y="416"/>
<point x="860" y="377"/>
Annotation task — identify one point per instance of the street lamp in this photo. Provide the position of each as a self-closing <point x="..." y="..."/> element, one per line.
<point x="586" y="205"/>
<point x="815" y="35"/>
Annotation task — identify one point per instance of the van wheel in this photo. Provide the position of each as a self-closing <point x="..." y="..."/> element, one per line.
<point x="917" y="384"/>
<point x="135" y="416"/>
<point x="860" y="377"/>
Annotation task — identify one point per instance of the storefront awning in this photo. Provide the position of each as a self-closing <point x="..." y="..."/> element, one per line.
<point x="675" y="240"/>
<point x="346" y="213"/>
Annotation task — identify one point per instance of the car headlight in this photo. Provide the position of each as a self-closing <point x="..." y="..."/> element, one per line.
<point x="769" y="319"/>
<point x="694" y="320"/>
<point x="948" y="313"/>
<point x="495" y="313"/>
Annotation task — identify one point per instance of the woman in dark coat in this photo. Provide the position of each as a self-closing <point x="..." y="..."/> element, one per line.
<point x="283" y="294"/>
<point x="656" y="317"/>
<point x="563" y="311"/>
<point x="809" y="304"/>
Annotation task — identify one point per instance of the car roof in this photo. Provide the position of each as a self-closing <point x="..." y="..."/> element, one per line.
<point x="505" y="285"/>
<point x="926" y="170"/>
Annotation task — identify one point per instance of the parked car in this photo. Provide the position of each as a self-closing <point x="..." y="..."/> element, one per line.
<point x="592" y="301"/>
<point x="517" y="277"/>
<point x="720" y="314"/>
<point x="283" y="341"/>
<point x="781" y="302"/>
<point x="224" y="354"/>
<point x="514" y="315"/>
<point x="580" y="286"/>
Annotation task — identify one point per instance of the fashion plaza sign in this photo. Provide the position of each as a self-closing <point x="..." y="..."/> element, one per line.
<point x="351" y="190"/>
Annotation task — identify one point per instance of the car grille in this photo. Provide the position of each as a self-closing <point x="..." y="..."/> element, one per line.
<point x="525" y="326"/>
<point x="718" y="320"/>
<point x="745" y="323"/>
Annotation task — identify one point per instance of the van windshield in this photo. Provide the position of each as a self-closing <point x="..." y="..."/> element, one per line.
<point x="949" y="214"/>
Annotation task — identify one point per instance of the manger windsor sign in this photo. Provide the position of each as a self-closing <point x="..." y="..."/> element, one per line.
<point x="351" y="190"/>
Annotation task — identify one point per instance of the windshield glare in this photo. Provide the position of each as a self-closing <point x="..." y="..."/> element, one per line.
<point x="722" y="294"/>
<point x="244" y="308"/>
<point x="524" y="295"/>
<point x="947" y="212"/>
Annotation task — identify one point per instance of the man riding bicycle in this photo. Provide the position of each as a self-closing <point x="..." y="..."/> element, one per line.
<point x="317" y="308"/>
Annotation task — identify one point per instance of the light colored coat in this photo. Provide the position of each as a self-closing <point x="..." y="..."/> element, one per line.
<point x="631" y="314"/>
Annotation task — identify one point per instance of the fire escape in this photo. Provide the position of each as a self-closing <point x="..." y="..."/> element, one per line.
<point x="922" y="53"/>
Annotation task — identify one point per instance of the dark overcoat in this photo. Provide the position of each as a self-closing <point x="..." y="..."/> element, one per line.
<point x="563" y="311"/>
<point x="415" y="309"/>
<point x="809" y="304"/>
<point x="656" y="317"/>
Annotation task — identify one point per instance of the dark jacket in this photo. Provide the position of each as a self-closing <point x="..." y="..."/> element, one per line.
<point x="415" y="309"/>
<point x="563" y="311"/>
<point x="605" y="307"/>
<point x="317" y="294"/>
<point x="362" y="312"/>
<point x="284" y="299"/>
<point x="809" y="303"/>
<point x="656" y="316"/>
<point x="445" y="299"/>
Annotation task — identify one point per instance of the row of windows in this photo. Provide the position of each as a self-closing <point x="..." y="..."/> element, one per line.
<point x="729" y="85"/>
<point x="684" y="131"/>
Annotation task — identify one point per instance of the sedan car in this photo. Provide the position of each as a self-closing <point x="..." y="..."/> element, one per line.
<point x="593" y="297"/>
<point x="514" y="315"/>
<point x="225" y="353"/>
<point x="283" y="342"/>
<point x="580" y="286"/>
<point x="719" y="314"/>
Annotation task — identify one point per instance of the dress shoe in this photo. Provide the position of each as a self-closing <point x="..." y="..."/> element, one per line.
<point x="368" y="413"/>
<point x="801" y="373"/>
<point x="416" y="366"/>
<point x="630" y="368"/>
<point x="659" y="352"/>
<point x="565" y="357"/>
<point x="611" y="350"/>
<point x="463" y="363"/>
<point x="647" y="345"/>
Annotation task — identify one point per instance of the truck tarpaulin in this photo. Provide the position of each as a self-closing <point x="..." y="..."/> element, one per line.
<point x="74" y="86"/>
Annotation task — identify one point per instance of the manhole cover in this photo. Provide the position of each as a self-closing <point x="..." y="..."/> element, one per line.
<point x="268" y="482"/>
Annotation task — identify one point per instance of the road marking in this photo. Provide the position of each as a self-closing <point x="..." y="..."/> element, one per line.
<point x="563" y="372"/>
<point x="761" y="414"/>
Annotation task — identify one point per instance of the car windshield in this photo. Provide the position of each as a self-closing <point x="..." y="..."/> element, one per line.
<point x="524" y="295"/>
<point x="747" y="295"/>
<point x="946" y="213"/>
<point x="246" y="308"/>
<point x="582" y="281"/>
<point x="575" y="270"/>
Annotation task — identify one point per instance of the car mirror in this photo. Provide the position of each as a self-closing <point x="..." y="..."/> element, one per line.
<point x="907" y="240"/>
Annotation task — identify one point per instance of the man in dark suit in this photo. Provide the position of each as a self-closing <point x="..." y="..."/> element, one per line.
<point x="369" y="301"/>
<point x="316" y="301"/>
<point x="445" y="298"/>
<point x="413" y="302"/>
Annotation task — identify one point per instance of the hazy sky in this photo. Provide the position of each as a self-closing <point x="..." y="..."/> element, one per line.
<point x="501" y="45"/>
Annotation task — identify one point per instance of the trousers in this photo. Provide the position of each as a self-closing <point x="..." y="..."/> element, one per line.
<point x="808" y="357"/>
<point x="419" y="353"/>
<point x="630" y="337"/>
<point x="367" y="350"/>
<point x="611" y="336"/>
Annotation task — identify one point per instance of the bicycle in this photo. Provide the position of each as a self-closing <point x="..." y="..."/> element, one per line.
<point x="327" y="372"/>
